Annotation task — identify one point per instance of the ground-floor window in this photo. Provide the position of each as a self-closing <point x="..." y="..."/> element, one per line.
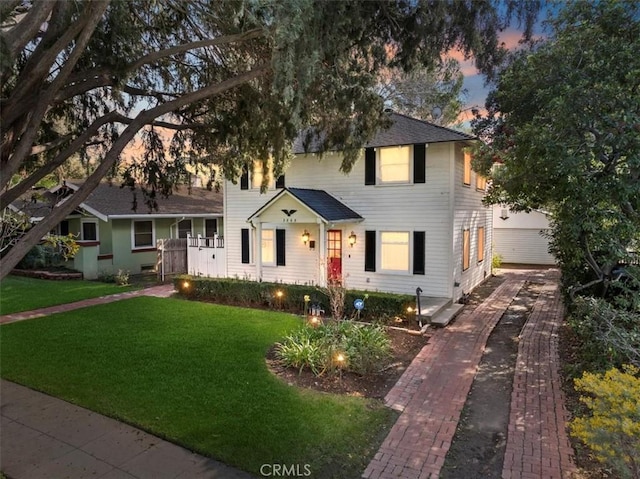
<point x="184" y="228"/>
<point x="89" y="230"/>
<point x="480" y="244"/>
<point x="210" y="227"/>
<point x="267" y="245"/>
<point x="143" y="234"/>
<point x="466" y="249"/>
<point x="394" y="251"/>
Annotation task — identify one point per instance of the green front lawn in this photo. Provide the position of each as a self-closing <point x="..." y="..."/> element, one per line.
<point x="194" y="373"/>
<point x="18" y="293"/>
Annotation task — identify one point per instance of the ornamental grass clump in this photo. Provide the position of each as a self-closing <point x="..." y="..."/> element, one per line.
<point x="612" y="431"/>
<point x="336" y="346"/>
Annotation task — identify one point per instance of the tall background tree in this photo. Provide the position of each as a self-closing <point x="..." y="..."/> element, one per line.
<point x="563" y="134"/>
<point x="564" y="126"/>
<point x="431" y="94"/>
<point x="232" y="81"/>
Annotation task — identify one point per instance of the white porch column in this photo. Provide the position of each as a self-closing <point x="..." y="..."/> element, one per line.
<point x="322" y="254"/>
<point x="258" y="250"/>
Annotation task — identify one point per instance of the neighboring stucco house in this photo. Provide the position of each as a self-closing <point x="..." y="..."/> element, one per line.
<point x="112" y="235"/>
<point x="520" y="237"/>
<point x="408" y="215"/>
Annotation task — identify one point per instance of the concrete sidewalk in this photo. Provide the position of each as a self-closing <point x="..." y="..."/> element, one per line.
<point x="434" y="388"/>
<point x="45" y="437"/>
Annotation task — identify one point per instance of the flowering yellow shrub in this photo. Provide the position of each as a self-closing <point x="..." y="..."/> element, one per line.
<point x="612" y="431"/>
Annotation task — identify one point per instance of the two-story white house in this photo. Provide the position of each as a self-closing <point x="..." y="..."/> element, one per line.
<point x="408" y="215"/>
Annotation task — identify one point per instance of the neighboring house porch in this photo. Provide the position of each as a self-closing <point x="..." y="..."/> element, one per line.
<point x="114" y="236"/>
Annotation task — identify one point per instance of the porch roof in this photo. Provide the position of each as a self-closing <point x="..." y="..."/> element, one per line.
<point x="328" y="208"/>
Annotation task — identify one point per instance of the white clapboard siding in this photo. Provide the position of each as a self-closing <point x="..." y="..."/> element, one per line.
<point x="427" y="207"/>
<point x="469" y="214"/>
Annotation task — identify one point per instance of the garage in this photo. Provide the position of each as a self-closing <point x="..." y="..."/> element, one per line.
<point x="518" y="237"/>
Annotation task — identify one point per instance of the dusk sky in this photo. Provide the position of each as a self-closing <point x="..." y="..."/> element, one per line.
<point x="474" y="82"/>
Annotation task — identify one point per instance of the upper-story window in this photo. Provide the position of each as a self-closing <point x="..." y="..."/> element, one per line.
<point x="394" y="164"/>
<point x="253" y="178"/>
<point x="466" y="176"/>
<point x="257" y="175"/>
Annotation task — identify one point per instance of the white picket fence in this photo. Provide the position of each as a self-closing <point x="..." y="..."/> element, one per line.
<point x="206" y="256"/>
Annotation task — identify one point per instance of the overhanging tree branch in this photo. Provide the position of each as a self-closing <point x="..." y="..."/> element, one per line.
<point x="23" y="147"/>
<point x="62" y="210"/>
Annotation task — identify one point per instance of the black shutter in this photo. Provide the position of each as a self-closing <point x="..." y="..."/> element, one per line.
<point x="419" y="160"/>
<point x="244" y="245"/>
<point x="280" y="248"/>
<point x="369" y="250"/>
<point x="244" y="179"/>
<point x="369" y="166"/>
<point x="418" y="252"/>
<point x="64" y="228"/>
<point x="280" y="182"/>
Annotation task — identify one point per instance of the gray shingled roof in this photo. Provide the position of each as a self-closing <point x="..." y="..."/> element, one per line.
<point x="115" y="201"/>
<point x="111" y="200"/>
<point x="325" y="205"/>
<point x="320" y="202"/>
<point x="404" y="130"/>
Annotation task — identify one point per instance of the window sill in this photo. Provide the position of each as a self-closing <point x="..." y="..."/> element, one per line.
<point x="397" y="183"/>
<point x="144" y="249"/>
<point x="394" y="272"/>
<point x="83" y="243"/>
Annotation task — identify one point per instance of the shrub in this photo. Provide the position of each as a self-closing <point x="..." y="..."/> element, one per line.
<point x="122" y="277"/>
<point x="54" y="251"/>
<point x="496" y="261"/>
<point x="612" y="431"/>
<point x="609" y="336"/>
<point x="334" y="346"/>
<point x="254" y="294"/>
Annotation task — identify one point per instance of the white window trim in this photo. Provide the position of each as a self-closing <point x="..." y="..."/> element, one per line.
<point x="133" y="234"/>
<point x="89" y="220"/>
<point x="398" y="272"/>
<point x="379" y="179"/>
<point x="263" y="262"/>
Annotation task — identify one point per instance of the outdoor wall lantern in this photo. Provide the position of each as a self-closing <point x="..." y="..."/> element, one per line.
<point x="504" y="215"/>
<point x="305" y="237"/>
<point x="352" y="239"/>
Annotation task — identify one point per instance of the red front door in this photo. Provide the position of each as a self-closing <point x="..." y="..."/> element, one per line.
<point x="334" y="255"/>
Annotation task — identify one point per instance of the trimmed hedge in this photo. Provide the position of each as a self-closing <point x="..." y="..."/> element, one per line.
<point x="253" y="294"/>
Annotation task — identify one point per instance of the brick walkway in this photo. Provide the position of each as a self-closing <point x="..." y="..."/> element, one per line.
<point x="162" y="291"/>
<point x="432" y="392"/>
<point x="537" y="443"/>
